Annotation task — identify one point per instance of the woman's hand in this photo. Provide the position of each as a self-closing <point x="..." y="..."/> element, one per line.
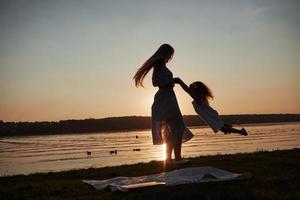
<point x="177" y="80"/>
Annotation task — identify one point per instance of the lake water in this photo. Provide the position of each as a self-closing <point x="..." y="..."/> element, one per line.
<point x="31" y="154"/>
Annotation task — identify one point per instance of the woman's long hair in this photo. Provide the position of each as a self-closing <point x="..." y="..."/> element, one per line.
<point x="201" y="91"/>
<point x="163" y="54"/>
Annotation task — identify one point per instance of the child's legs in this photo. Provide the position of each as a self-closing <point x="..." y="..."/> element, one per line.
<point x="228" y="129"/>
<point x="228" y="125"/>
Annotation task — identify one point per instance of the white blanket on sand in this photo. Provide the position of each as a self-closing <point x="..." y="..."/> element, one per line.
<point x="175" y="177"/>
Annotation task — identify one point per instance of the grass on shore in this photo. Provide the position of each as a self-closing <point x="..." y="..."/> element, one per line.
<point x="276" y="175"/>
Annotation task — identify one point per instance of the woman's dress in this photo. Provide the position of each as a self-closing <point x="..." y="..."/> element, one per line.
<point x="167" y="121"/>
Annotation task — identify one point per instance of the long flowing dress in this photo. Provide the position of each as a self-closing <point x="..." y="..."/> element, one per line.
<point x="167" y="121"/>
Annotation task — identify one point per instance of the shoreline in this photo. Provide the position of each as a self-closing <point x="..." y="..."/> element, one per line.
<point x="149" y="129"/>
<point x="272" y="171"/>
<point x="126" y="124"/>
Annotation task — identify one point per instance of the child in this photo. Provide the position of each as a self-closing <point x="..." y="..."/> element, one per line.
<point x="201" y="94"/>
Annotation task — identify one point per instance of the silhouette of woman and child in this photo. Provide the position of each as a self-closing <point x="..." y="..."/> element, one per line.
<point x="167" y="121"/>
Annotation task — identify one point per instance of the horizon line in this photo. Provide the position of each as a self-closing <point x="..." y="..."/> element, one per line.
<point x="37" y="121"/>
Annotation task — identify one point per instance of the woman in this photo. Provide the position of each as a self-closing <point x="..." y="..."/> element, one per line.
<point x="167" y="122"/>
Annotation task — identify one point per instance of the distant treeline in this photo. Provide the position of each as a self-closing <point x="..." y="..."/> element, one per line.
<point x="124" y="124"/>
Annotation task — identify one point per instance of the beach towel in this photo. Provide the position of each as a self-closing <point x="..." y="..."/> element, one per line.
<point x="170" y="178"/>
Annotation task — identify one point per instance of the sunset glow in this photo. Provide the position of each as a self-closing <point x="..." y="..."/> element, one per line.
<point x="75" y="60"/>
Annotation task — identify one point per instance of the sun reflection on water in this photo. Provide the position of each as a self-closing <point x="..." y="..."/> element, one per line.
<point x="163" y="153"/>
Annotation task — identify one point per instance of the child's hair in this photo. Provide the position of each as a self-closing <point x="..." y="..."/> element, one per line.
<point x="201" y="91"/>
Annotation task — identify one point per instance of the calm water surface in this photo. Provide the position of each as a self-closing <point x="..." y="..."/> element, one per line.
<point x="30" y="154"/>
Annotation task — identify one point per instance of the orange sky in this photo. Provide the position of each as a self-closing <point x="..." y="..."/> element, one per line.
<point x="74" y="60"/>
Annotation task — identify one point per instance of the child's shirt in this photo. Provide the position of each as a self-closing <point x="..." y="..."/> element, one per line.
<point x="209" y="115"/>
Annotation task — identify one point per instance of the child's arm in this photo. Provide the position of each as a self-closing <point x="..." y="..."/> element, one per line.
<point x="183" y="85"/>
